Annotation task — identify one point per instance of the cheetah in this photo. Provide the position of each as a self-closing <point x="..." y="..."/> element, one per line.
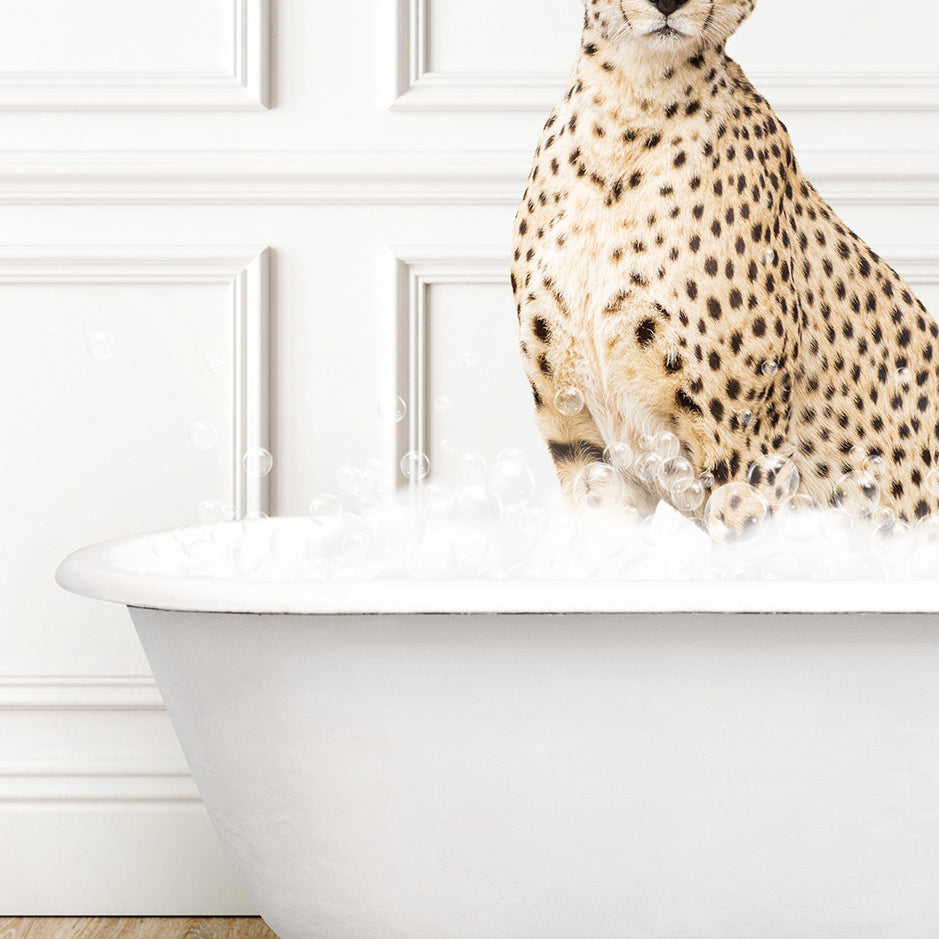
<point x="674" y="271"/>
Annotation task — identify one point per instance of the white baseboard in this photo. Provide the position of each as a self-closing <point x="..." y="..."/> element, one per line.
<point x="99" y="814"/>
<point x="81" y="860"/>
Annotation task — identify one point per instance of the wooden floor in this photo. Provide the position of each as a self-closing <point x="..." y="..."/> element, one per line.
<point x="128" y="927"/>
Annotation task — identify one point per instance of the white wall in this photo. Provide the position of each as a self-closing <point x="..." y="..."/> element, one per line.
<point x="196" y="184"/>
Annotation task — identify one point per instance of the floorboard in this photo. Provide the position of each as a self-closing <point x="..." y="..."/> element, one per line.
<point x="130" y="927"/>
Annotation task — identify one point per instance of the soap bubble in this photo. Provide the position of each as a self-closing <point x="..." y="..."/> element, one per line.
<point x="857" y="456"/>
<point x="325" y="509"/>
<point x="618" y="455"/>
<point x="647" y="467"/>
<point x="203" y="435"/>
<point x="442" y="403"/>
<point x="884" y="518"/>
<point x="290" y="546"/>
<point x="448" y="445"/>
<point x="744" y="418"/>
<point x="932" y="482"/>
<point x="665" y="445"/>
<point x="904" y="375"/>
<point x="472" y="465"/>
<point x="249" y="555"/>
<point x="415" y="465"/>
<point x="202" y="553"/>
<point x="473" y="548"/>
<point x="434" y="558"/>
<point x="356" y="546"/>
<point x="470" y="359"/>
<point x="857" y="494"/>
<point x="835" y="525"/>
<point x="875" y="466"/>
<point x="167" y="547"/>
<point x="783" y="565"/>
<point x="927" y="530"/>
<point x="224" y="536"/>
<point x="892" y="538"/>
<point x="392" y="409"/>
<point x="362" y="506"/>
<point x="676" y="475"/>
<point x="774" y="477"/>
<point x="768" y="257"/>
<point x="381" y="475"/>
<point x="510" y="455"/>
<point x="437" y="504"/>
<point x="798" y="517"/>
<point x="475" y="507"/>
<point x="533" y="521"/>
<point x="735" y="513"/>
<point x="769" y="368"/>
<point x="257" y="463"/>
<point x="212" y="512"/>
<point x="569" y="401"/>
<point x="598" y="487"/>
<point x="493" y="572"/>
<point x="351" y="480"/>
<point x="101" y="345"/>
<point x="707" y="480"/>
<point x="690" y="499"/>
<point x="397" y="530"/>
<point x="512" y="483"/>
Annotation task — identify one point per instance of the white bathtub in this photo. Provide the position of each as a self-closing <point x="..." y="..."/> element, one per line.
<point x="555" y="760"/>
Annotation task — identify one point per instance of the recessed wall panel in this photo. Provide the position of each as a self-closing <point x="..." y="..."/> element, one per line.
<point x="479" y="398"/>
<point x="126" y="407"/>
<point x="108" y="35"/>
<point x="799" y="36"/>
<point x="492" y="35"/>
<point x="803" y="56"/>
<point x="101" y="447"/>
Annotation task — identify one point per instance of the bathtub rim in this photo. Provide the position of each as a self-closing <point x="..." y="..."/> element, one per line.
<point x="90" y="572"/>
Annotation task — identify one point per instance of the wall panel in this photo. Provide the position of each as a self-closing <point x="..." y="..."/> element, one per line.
<point x="176" y="54"/>
<point x="492" y="57"/>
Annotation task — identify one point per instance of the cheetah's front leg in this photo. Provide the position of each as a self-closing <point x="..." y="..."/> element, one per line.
<point x="586" y="479"/>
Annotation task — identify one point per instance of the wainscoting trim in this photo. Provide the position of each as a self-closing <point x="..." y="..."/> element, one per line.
<point x="378" y="179"/>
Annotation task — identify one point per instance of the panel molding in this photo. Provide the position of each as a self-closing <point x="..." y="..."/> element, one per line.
<point x="79" y="693"/>
<point x="420" y="89"/>
<point x="103" y="776"/>
<point x="245" y="86"/>
<point x="809" y="91"/>
<point x="383" y="178"/>
<point x="245" y="271"/>
<point x="107" y="783"/>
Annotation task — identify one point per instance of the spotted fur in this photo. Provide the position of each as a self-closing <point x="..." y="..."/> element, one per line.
<point x="673" y="262"/>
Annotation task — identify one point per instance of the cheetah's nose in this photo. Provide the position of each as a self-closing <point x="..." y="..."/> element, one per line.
<point x="667" y="6"/>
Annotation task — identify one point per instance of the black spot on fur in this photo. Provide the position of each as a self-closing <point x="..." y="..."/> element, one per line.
<point x="645" y="333"/>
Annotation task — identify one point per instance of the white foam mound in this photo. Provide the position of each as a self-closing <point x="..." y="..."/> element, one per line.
<point x="467" y="535"/>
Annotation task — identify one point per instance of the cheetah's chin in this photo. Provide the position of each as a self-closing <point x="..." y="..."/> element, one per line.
<point x="666" y="37"/>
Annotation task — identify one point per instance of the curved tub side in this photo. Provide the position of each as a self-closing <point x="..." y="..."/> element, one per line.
<point x="403" y="777"/>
